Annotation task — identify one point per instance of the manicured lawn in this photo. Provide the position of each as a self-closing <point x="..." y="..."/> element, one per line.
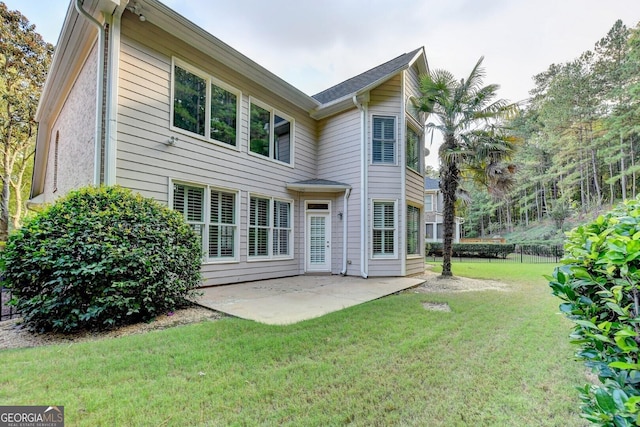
<point x="498" y="359"/>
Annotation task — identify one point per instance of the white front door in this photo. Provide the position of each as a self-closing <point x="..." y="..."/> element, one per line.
<point x="318" y="242"/>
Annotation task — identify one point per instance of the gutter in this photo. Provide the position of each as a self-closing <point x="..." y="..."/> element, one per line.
<point x="99" y="91"/>
<point x="364" y="179"/>
<point x="345" y="231"/>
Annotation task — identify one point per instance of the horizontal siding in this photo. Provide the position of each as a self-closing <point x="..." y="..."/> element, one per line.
<point x="146" y="163"/>
<point x="415" y="266"/>
<point x="415" y="188"/>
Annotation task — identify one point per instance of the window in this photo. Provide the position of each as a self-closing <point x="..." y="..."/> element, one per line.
<point x="439" y="231"/>
<point x="265" y="227"/>
<point x="281" y="228"/>
<point x="384" y="140"/>
<point x="429" y="232"/>
<point x="413" y="230"/>
<point x="384" y="228"/>
<point x="217" y="225"/>
<point x="428" y="202"/>
<point x="270" y="134"/>
<point x="204" y="106"/>
<point x="413" y="149"/>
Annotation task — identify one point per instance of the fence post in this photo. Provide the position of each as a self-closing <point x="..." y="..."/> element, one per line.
<point x="521" y="257"/>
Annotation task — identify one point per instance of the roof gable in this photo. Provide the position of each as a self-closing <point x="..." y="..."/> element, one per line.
<point x="377" y="74"/>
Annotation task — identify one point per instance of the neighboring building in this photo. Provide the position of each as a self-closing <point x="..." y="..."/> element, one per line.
<point x="276" y="183"/>
<point x="433" y="210"/>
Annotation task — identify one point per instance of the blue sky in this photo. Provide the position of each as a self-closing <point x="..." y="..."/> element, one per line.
<point x="315" y="44"/>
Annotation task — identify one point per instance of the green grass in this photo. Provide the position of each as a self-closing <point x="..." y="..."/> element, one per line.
<point x="498" y="359"/>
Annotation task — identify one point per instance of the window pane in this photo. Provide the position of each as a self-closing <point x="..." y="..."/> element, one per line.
<point x="194" y="211"/>
<point x="281" y="224"/>
<point x="383" y="228"/>
<point x="413" y="150"/>
<point x="413" y="230"/>
<point x="428" y="202"/>
<point x="384" y="140"/>
<point x="429" y="231"/>
<point x="222" y="237"/>
<point x="258" y="227"/>
<point x="223" y="115"/>
<point x="259" y="133"/>
<point x="189" y="103"/>
<point x="282" y="139"/>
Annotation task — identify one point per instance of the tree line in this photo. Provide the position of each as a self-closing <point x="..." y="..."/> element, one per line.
<point x="579" y="134"/>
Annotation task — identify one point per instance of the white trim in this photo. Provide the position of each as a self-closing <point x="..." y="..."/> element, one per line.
<point x="207" y="218"/>
<point x="396" y="150"/>
<point x="273" y="112"/>
<point x="270" y="256"/>
<point x="210" y="80"/>
<point x="327" y="213"/>
<point x="396" y="240"/>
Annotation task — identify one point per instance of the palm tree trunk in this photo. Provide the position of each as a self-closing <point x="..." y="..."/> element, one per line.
<point x="449" y="187"/>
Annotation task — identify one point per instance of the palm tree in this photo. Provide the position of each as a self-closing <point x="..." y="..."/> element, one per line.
<point x="474" y="142"/>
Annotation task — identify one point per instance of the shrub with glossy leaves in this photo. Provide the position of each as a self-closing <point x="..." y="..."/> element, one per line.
<point x="100" y="258"/>
<point x="598" y="284"/>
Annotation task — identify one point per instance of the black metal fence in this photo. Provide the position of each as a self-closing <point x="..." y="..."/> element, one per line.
<point x="530" y="254"/>
<point x="7" y="311"/>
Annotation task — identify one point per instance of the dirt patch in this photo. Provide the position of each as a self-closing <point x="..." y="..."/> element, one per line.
<point x="436" y="283"/>
<point x="436" y="306"/>
<point x="13" y="335"/>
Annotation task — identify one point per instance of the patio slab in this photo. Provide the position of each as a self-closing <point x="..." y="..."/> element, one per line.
<point x="293" y="299"/>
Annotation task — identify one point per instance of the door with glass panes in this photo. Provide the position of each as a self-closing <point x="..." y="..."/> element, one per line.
<point x="318" y="237"/>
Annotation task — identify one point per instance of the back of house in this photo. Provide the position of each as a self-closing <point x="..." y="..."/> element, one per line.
<point x="275" y="182"/>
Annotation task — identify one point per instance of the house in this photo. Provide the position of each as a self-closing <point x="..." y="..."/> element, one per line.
<point x="433" y="211"/>
<point x="275" y="182"/>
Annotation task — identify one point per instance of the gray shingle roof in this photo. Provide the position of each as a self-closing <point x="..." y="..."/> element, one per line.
<point x="431" y="183"/>
<point x="363" y="80"/>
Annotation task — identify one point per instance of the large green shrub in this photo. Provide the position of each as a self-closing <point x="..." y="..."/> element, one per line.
<point x="598" y="284"/>
<point x="99" y="258"/>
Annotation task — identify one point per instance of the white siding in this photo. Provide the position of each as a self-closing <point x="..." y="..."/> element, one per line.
<point x="146" y="163"/>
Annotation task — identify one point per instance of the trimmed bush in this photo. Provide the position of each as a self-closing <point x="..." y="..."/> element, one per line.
<point x="478" y="250"/>
<point x="598" y="284"/>
<point x="100" y="258"/>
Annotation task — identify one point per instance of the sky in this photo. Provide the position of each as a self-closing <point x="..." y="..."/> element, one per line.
<point x="315" y="44"/>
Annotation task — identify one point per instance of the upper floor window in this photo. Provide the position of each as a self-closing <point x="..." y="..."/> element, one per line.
<point x="428" y="202"/>
<point x="270" y="134"/>
<point x="384" y="140"/>
<point x="413" y="149"/>
<point x="204" y="106"/>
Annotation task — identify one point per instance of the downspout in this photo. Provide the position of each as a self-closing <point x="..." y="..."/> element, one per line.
<point x="113" y="67"/>
<point x="364" y="218"/>
<point x="99" y="91"/>
<point x="345" y="231"/>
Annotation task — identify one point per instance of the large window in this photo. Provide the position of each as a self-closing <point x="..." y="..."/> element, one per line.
<point x="413" y="230"/>
<point x="384" y="140"/>
<point x="384" y="228"/>
<point x="413" y="149"/>
<point x="204" y="106"/>
<point x="270" y="134"/>
<point x="269" y="227"/>
<point x="213" y="215"/>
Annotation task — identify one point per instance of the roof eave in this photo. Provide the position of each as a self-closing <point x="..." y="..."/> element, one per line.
<point x="185" y="30"/>
<point x="346" y="102"/>
<point x="317" y="188"/>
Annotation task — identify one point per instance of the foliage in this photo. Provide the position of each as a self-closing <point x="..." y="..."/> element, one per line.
<point x="480" y="250"/>
<point x="24" y="60"/>
<point x="408" y="367"/>
<point x="580" y="133"/>
<point x="465" y="113"/>
<point x="98" y="258"/>
<point x="598" y="285"/>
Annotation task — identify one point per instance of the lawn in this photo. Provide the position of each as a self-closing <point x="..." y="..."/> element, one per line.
<point x="498" y="359"/>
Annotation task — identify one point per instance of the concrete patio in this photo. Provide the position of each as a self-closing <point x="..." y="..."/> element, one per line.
<point x="293" y="299"/>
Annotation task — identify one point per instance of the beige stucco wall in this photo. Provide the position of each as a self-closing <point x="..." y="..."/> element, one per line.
<point x="75" y="125"/>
